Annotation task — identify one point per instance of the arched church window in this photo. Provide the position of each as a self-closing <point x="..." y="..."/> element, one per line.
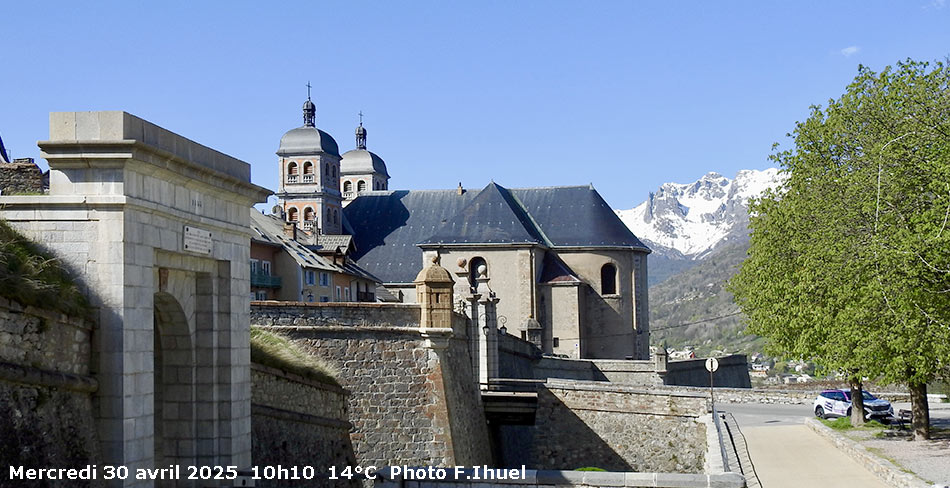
<point x="336" y="216"/>
<point x="292" y="214"/>
<point x="329" y="218"/>
<point x="308" y="214"/>
<point x="307" y="168"/>
<point x="608" y="280"/>
<point x="292" y="168"/>
<point x="361" y="186"/>
<point x="326" y="169"/>
<point x="334" y="171"/>
<point x="347" y="186"/>
<point x="473" y="265"/>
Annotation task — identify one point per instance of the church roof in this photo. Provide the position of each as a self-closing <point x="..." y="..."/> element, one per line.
<point x="305" y="141"/>
<point x="389" y="226"/>
<point x="361" y="161"/>
<point x="494" y="216"/>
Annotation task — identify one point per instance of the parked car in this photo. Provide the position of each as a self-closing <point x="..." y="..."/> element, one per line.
<point x="837" y="403"/>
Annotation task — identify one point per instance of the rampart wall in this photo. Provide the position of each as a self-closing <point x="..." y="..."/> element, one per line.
<point x="46" y="407"/>
<point x="622" y="428"/>
<point x="412" y="396"/>
<point x="296" y="421"/>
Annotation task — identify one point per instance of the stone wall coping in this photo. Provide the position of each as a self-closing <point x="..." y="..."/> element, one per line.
<point x="581" y="385"/>
<point x="17" y="307"/>
<point x="887" y="471"/>
<point x="296" y="378"/>
<point x="415" y="331"/>
<point x="591" y="479"/>
<point x="28" y="375"/>
<point x="287" y="304"/>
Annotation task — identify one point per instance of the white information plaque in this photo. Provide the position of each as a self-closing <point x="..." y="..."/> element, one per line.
<point x="197" y="240"/>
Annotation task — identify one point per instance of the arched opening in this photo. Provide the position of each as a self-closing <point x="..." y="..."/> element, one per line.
<point x="308" y="214"/>
<point x="174" y="384"/>
<point x="473" y="265"/>
<point x="347" y="186"/>
<point x="336" y="216"/>
<point x="334" y="172"/>
<point x="307" y="168"/>
<point x="326" y="169"/>
<point x="608" y="280"/>
<point x="292" y="214"/>
<point x="361" y="186"/>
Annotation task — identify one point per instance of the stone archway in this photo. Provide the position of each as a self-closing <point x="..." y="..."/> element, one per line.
<point x="174" y="377"/>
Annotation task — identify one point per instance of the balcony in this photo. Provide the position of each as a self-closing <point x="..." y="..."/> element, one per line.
<point x="264" y="280"/>
<point x="291" y="178"/>
<point x="365" y="296"/>
<point x="308" y="225"/>
<point x="348" y="195"/>
<point x="308" y="178"/>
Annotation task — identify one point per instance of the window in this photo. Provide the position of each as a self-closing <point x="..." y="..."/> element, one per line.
<point x="336" y="216"/>
<point x="311" y="277"/>
<point x="339" y="294"/>
<point x="557" y="342"/>
<point x="265" y="267"/>
<point x="261" y="295"/>
<point x="254" y="266"/>
<point x="608" y="280"/>
<point x="292" y="172"/>
<point x="308" y="214"/>
<point x="324" y="299"/>
<point x="347" y="186"/>
<point x="361" y="186"/>
<point x="334" y="171"/>
<point x="292" y="214"/>
<point x="324" y="279"/>
<point x="346" y="293"/>
<point x="307" y="168"/>
<point x="326" y="169"/>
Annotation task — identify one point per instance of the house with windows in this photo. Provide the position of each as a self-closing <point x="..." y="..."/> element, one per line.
<point x="570" y="277"/>
<point x="288" y="264"/>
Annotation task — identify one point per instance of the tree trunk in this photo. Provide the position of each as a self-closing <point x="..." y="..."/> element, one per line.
<point x="920" y="410"/>
<point x="857" y="402"/>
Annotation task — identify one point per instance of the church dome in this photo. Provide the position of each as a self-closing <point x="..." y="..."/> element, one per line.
<point x="307" y="140"/>
<point x="361" y="161"/>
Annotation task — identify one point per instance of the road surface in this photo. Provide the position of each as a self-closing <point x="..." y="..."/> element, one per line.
<point x="788" y="454"/>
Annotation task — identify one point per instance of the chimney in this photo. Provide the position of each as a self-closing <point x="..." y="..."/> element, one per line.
<point x="290" y="230"/>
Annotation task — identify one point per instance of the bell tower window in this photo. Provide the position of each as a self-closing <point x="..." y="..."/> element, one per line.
<point x="292" y="170"/>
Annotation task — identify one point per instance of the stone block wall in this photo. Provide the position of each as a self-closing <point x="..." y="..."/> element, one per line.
<point x="733" y="372"/>
<point x="412" y="399"/>
<point x="275" y="313"/>
<point x="296" y="421"/>
<point x="622" y="428"/>
<point x="46" y="407"/>
<point x="20" y="176"/>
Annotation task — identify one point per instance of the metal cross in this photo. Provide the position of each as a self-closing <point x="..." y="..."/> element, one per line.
<point x="308" y="90"/>
<point x="361" y="117"/>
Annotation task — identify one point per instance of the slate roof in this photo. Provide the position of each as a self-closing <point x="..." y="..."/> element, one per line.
<point x="389" y="226"/>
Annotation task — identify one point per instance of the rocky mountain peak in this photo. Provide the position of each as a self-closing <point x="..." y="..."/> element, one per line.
<point x="690" y="219"/>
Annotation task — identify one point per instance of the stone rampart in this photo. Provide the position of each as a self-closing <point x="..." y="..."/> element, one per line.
<point x="412" y="399"/>
<point x="622" y="428"/>
<point x="46" y="408"/>
<point x="733" y="372"/>
<point x="274" y="313"/>
<point x="296" y="421"/>
<point x="20" y="176"/>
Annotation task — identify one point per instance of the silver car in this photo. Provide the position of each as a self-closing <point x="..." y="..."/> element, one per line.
<point x="837" y="403"/>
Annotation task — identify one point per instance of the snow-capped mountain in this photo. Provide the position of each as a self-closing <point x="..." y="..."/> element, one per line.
<point x="691" y="219"/>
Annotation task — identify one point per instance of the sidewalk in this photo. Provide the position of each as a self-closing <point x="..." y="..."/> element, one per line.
<point x="794" y="456"/>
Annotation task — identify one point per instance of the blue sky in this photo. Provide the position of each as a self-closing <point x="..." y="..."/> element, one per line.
<point x="624" y="95"/>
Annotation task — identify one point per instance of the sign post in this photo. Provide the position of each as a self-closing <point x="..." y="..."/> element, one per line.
<point x="712" y="364"/>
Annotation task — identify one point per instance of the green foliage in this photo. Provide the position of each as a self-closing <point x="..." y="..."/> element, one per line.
<point x="848" y="262"/>
<point x="32" y="276"/>
<point x="277" y="351"/>
<point x="844" y="423"/>
<point x="590" y="469"/>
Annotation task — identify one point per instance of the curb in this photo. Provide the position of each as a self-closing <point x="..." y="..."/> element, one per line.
<point x="882" y="468"/>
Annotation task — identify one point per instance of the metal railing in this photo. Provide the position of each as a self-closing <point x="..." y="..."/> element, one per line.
<point x="264" y="280"/>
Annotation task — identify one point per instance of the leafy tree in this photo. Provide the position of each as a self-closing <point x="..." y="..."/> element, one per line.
<point x="848" y="264"/>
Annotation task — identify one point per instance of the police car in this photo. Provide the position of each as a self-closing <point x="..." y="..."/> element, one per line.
<point x="837" y="403"/>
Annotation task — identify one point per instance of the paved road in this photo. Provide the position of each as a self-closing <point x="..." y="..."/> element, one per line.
<point x="788" y="454"/>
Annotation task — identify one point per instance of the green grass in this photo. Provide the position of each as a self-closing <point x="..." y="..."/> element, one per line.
<point x="31" y="276"/>
<point x="277" y="351"/>
<point x="590" y="469"/>
<point x="844" y="423"/>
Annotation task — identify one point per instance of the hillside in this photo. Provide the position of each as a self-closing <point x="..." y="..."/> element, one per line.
<point x="696" y="294"/>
